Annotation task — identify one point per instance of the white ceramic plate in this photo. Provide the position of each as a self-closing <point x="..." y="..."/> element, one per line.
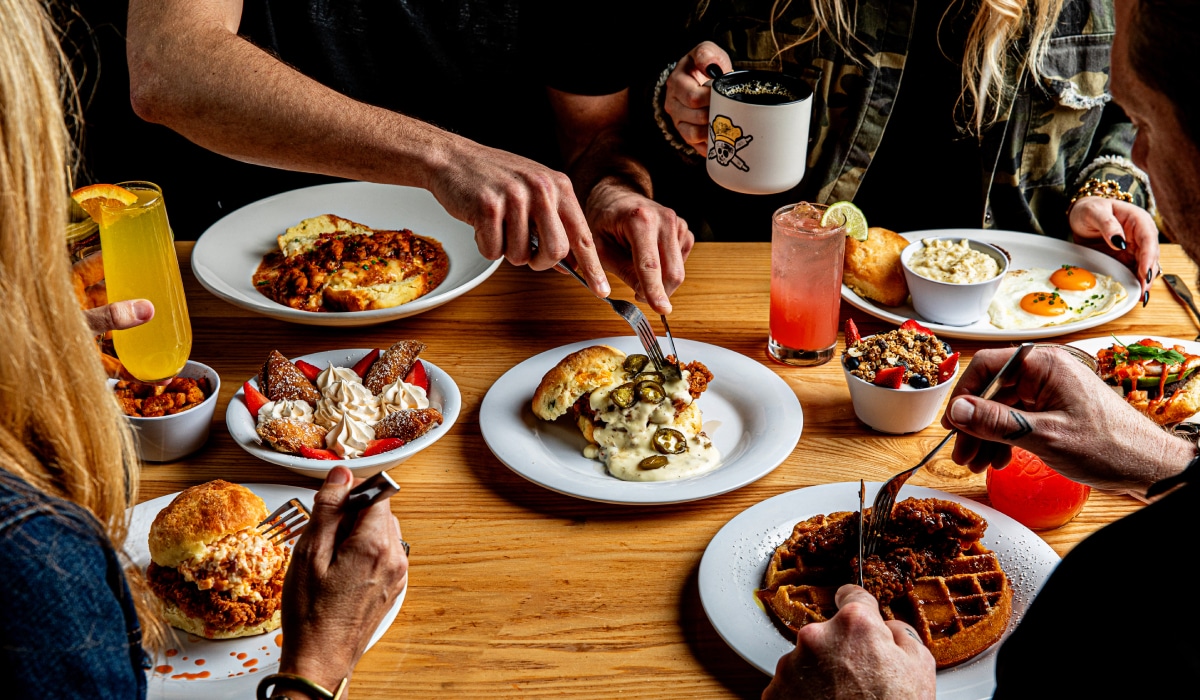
<point x="752" y="416"/>
<point x="443" y="395"/>
<point x="227" y="662"/>
<point x="1094" y="345"/>
<point x="228" y="253"/>
<point x="1027" y="250"/>
<point x="736" y="560"/>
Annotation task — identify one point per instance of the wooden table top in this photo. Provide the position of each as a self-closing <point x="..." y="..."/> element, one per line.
<point x="518" y="591"/>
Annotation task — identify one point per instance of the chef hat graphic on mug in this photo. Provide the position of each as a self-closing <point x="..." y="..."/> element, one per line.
<point x="724" y="130"/>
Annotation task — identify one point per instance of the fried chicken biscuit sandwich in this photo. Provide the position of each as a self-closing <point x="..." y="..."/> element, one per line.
<point x="216" y="575"/>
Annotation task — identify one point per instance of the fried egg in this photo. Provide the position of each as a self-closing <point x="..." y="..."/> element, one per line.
<point x="1039" y="297"/>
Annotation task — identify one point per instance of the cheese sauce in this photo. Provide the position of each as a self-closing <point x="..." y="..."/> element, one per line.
<point x="627" y="436"/>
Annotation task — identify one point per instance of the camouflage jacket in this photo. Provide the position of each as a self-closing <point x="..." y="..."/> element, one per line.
<point x="1053" y="134"/>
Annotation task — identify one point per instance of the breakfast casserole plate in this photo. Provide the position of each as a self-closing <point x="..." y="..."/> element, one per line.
<point x="1026" y="251"/>
<point x="735" y="562"/>
<point x="752" y="416"/>
<point x="195" y="668"/>
<point x="227" y="254"/>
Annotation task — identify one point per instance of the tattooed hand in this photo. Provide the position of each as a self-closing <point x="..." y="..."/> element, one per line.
<point x="1062" y="412"/>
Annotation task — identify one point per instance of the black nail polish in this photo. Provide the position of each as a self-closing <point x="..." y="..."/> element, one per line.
<point x="714" y="71"/>
<point x="1118" y="242"/>
<point x="1145" y="298"/>
<point x="1150" y="275"/>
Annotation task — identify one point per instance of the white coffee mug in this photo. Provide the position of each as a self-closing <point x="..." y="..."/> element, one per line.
<point x="758" y="131"/>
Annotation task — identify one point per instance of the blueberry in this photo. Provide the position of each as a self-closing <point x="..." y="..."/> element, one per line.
<point x="852" y="363"/>
<point x="918" y="381"/>
<point x="946" y="347"/>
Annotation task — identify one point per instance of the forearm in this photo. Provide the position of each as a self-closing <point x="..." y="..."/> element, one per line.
<point x="190" y="71"/>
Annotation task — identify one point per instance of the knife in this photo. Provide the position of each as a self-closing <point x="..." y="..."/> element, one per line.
<point x="1180" y="289"/>
<point x="862" y="502"/>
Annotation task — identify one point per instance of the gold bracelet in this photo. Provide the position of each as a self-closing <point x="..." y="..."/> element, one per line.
<point x="293" y="682"/>
<point x="1109" y="189"/>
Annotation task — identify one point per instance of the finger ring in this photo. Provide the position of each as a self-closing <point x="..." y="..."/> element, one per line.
<point x="405" y="546"/>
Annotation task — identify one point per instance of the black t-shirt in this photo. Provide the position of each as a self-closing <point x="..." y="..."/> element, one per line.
<point x="474" y="67"/>
<point x="1116" y="619"/>
<point x="923" y="154"/>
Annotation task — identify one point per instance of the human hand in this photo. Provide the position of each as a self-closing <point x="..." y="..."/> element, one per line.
<point x="119" y="315"/>
<point x="1059" y="410"/>
<point x="347" y="570"/>
<point x="641" y="241"/>
<point x="688" y="92"/>
<point x="855" y="654"/>
<point x="1123" y="230"/>
<point x="506" y="198"/>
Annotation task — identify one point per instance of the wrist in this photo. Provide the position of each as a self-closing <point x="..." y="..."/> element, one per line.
<point x="324" y="675"/>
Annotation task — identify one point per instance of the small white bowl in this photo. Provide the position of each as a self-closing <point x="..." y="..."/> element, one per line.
<point x="952" y="304"/>
<point x="897" y="411"/>
<point x="168" y="438"/>
<point x="443" y="395"/>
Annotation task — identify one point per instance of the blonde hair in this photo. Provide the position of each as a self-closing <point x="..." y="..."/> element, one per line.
<point x="988" y="56"/>
<point x="61" y="430"/>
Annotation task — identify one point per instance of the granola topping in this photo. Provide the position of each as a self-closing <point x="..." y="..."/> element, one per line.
<point x="918" y="353"/>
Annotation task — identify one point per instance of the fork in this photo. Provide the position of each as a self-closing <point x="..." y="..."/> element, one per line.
<point x="885" y="498"/>
<point x="637" y="321"/>
<point x="285" y="523"/>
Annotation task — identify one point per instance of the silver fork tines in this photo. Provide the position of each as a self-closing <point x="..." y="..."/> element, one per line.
<point x="885" y="499"/>
<point x="285" y="523"/>
<point x="637" y="321"/>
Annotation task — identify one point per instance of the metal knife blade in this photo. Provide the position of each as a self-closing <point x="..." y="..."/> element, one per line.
<point x="862" y="502"/>
<point x="1180" y="289"/>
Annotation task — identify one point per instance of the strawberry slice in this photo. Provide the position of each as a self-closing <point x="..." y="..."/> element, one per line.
<point x="254" y="399"/>
<point x="852" y="334"/>
<point x="310" y="371"/>
<point x="947" y="368"/>
<point x="911" y="325"/>
<point x="380" y="446"/>
<point x="361" y="367"/>
<point x="417" y="376"/>
<point x="890" y="377"/>
<point x="315" y="453"/>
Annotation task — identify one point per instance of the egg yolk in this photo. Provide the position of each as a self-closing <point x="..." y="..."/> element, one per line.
<point x="1073" y="278"/>
<point x="1044" y="304"/>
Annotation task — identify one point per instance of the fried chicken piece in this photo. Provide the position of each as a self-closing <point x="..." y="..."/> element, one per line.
<point x="281" y="380"/>
<point x="393" y="364"/>
<point x="409" y="424"/>
<point x="288" y="435"/>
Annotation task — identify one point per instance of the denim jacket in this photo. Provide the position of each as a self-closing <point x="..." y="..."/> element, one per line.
<point x="68" y="627"/>
<point x="1051" y="137"/>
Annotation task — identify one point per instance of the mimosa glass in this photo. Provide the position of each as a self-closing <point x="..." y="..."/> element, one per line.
<point x="140" y="263"/>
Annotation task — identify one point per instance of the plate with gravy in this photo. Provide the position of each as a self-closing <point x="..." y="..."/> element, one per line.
<point x="342" y="254"/>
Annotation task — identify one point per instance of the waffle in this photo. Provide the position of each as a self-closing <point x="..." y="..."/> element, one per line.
<point x="931" y="572"/>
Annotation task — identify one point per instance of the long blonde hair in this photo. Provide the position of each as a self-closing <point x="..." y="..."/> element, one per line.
<point x="61" y="430"/>
<point x="988" y="56"/>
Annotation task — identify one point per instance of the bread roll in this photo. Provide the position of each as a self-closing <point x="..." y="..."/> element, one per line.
<point x="199" y="516"/>
<point x="872" y="267"/>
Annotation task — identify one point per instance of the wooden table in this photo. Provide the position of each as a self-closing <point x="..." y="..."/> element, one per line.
<point x="517" y="591"/>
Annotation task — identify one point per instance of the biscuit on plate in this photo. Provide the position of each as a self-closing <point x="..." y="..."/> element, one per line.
<point x="872" y="267"/>
<point x="576" y="375"/>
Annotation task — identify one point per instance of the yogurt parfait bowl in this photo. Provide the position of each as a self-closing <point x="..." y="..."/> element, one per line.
<point x="898" y="380"/>
<point x="443" y="395"/>
<point x="952" y="280"/>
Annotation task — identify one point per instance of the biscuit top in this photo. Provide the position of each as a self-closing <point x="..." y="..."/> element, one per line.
<point x="199" y="516"/>
<point x="576" y="375"/>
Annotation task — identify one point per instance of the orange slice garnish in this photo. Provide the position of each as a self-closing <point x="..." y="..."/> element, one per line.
<point x="94" y="198"/>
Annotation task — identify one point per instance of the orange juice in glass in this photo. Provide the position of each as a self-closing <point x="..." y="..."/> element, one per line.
<point x="140" y="263"/>
<point x="806" y="284"/>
